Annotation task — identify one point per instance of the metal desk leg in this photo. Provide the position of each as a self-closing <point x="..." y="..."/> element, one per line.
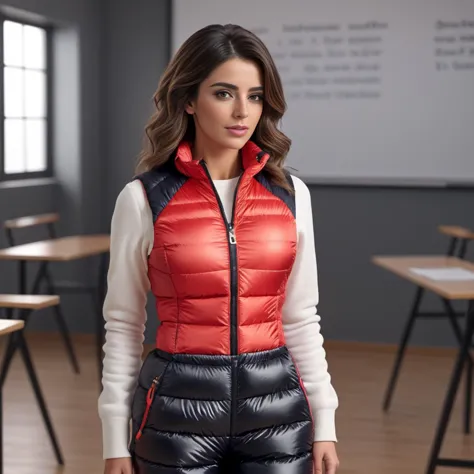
<point x="401" y="349"/>
<point x="461" y="362"/>
<point x="44" y="274"/>
<point x="7" y="360"/>
<point x="468" y="396"/>
<point x="61" y="322"/>
<point x="22" y="346"/>
<point x="469" y="366"/>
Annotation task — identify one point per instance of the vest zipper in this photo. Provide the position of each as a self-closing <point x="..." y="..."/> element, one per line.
<point x="232" y="242"/>
<point x="150" y="396"/>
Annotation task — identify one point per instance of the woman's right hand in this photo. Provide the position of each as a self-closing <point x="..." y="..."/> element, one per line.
<point x="118" y="466"/>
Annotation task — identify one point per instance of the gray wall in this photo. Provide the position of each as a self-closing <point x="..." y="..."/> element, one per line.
<point x="136" y="42"/>
<point x="124" y="48"/>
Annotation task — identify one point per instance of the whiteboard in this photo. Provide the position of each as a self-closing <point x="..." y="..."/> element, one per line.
<point x="377" y="91"/>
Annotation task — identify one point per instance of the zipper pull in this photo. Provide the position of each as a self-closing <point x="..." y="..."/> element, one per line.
<point x="149" y="400"/>
<point x="151" y="391"/>
<point x="232" y="238"/>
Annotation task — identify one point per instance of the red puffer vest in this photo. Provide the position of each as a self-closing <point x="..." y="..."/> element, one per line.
<point x="219" y="286"/>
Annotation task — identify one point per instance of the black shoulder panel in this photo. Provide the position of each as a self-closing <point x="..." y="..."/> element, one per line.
<point x="278" y="191"/>
<point x="160" y="185"/>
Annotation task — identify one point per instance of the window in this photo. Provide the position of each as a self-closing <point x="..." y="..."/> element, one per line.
<point x="25" y="151"/>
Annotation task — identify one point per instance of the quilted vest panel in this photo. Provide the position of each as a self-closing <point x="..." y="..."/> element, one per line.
<point x="219" y="286"/>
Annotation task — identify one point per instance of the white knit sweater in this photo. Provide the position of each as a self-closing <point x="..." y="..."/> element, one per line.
<point x="125" y="314"/>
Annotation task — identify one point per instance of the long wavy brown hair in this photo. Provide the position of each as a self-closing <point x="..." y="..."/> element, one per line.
<point x="199" y="55"/>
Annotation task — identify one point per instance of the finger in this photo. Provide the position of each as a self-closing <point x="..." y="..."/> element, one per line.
<point x="330" y="466"/>
<point x="318" y="465"/>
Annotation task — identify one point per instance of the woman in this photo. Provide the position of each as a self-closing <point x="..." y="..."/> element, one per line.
<point x="223" y="237"/>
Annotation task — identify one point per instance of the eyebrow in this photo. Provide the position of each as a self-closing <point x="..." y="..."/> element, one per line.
<point x="235" y="88"/>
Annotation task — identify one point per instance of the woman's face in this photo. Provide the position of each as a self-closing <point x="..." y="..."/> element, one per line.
<point x="228" y="106"/>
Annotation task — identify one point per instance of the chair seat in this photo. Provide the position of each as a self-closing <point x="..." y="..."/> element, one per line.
<point x="456" y="231"/>
<point x="8" y="326"/>
<point x="28" y="301"/>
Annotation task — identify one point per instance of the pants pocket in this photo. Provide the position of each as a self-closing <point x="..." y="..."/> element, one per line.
<point x="150" y="397"/>
<point x="149" y="382"/>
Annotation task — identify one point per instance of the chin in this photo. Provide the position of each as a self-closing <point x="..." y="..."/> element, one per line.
<point x="236" y="143"/>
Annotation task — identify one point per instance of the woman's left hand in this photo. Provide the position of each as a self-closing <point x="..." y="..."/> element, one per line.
<point x="324" y="453"/>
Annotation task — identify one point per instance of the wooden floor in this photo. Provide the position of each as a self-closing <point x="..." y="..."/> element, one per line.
<point x="369" y="442"/>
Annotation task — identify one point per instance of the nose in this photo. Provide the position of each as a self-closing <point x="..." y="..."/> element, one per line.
<point x="240" y="110"/>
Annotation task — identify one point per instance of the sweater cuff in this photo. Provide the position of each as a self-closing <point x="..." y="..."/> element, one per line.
<point x="325" y="425"/>
<point x="115" y="438"/>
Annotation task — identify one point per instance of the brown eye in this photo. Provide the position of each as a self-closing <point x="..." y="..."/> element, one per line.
<point x="222" y="94"/>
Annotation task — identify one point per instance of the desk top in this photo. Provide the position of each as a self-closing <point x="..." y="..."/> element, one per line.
<point x="456" y="231"/>
<point x="59" y="250"/>
<point x="28" y="301"/>
<point x="30" y="221"/>
<point x="10" y="325"/>
<point x="451" y="290"/>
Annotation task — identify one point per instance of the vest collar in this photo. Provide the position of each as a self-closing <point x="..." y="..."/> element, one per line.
<point x="253" y="160"/>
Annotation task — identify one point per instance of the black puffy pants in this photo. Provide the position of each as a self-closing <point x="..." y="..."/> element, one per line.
<point x="208" y="414"/>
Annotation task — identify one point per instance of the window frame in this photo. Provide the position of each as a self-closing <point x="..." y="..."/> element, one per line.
<point x="48" y="172"/>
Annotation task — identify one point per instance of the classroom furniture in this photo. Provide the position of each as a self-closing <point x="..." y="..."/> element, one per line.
<point x="65" y="249"/>
<point x="459" y="238"/>
<point x="14" y="329"/>
<point x="449" y="291"/>
<point x="45" y="224"/>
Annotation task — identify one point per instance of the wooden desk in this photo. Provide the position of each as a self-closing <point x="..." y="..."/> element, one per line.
<point x="59" y="250"/>
<point x="448" y="290"/>
<point x="402" y="265"/>
<point x="64" y="249"/>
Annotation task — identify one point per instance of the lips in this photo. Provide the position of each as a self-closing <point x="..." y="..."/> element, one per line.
<point x="238" y="127"/>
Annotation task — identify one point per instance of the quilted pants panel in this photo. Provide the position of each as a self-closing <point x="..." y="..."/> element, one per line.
<point x="208" y="414"/>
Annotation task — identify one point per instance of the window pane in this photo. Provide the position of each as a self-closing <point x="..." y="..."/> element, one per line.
<point x="35" y="47"/>
<point x="14" y="146"/>
<point x="35" y="94"/>
<point x="13" y="94"/>
<point x="35" y="145"/>
<point x="13" y="43"/>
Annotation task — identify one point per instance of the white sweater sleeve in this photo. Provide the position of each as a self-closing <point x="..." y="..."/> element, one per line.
<point x="301" y="322"/>
<point x="125" y="316"/>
